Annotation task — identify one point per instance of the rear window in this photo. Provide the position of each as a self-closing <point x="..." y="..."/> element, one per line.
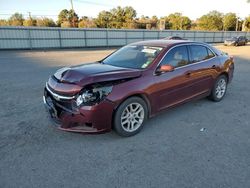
<point x="200" y="53"/>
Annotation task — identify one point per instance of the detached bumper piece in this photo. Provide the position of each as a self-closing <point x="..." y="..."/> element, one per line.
<point x="68" y="117"/>
<point x="229" y="43"/>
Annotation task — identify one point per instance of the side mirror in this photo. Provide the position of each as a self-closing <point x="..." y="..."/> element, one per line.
<point x="165" y="68"/>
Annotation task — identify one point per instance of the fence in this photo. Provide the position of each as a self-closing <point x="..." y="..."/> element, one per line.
<point x="37" y="37"/>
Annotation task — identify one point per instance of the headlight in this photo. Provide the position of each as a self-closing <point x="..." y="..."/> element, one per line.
<point x="93" y="96"/>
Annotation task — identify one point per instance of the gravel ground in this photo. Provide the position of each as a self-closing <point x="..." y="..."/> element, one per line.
<point x="171" y="151"/>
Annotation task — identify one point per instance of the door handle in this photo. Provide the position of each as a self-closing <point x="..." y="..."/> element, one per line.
<point x="188" y="74"/>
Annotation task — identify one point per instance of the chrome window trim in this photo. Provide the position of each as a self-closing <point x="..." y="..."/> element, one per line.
<point x="188" y="44"/>
<point x="56" y="96"/>
<point x="193" y="63"/>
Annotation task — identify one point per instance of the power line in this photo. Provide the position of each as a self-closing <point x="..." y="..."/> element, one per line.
<point x="29" y="14"/>
<point x="94" y="3"/>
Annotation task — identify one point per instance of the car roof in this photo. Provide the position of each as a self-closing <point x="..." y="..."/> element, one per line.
<point x="164" y="42"/>
<point x="170" y="43"/>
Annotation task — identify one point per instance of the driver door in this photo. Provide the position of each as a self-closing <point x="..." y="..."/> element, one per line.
<point x="173" y="87"/>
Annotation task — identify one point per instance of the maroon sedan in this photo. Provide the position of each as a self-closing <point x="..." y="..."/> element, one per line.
<point x="135" y="83"/>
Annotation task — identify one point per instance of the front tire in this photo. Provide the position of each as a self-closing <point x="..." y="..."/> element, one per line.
<point x="130" y="116"/>
<point x="219" y="89"/>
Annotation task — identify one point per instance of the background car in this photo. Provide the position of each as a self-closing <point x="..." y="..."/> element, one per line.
<point x="135" y="83"/>
<point x="174" y="38"/>
<point x="236" y="41"/>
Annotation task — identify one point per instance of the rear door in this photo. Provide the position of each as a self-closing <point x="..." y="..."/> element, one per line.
<point x="195" y="65"/>
<point x="202" y="68"/>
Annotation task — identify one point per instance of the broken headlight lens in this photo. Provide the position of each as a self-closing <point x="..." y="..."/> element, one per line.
<point x="93" y="95"/>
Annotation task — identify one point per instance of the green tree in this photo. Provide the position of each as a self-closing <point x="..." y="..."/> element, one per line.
<point x="186" y="23"/>
<point x="69" y="17"/>
<point x="178" y="22"/>
<point x="116" y="18"/>
<point x="175" y="21"/>
<point x="104" y="19"/>
<point x="29" y="22"/>
<point x="246" y="24"/>
<point x="122" y="16"/>
<point x="167" y="24"/>
<point x="45" y="22"/>
<point x="213" y="21"/>
<point x="66" y="24"/>
<point x="4" y="22"/>
<point x="73" y="18"/>
<point x="153" y="22"/>
<point x="141" y="23"/>
<point x="86" y="22"/>
<point x="129" y="16"/>
<point x="229" y="21"/>
<point x="62" y="17"/>
<point x="144" y="22"/>
<point x="193" y="25"/>
<point x="16" y="19"/>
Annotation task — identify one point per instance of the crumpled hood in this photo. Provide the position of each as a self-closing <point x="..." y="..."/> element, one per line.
<point x="94" y="72"/>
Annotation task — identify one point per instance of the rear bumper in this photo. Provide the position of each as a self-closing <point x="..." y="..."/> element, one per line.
<point x="85" y="119"/>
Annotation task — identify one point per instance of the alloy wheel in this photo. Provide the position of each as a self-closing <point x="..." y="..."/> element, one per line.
<point x="132" y="117"/>
<point x="221" y="88"/>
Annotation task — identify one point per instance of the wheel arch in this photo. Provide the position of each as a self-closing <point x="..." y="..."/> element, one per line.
<point x="224" y="73"/>
<point x="140" y="95"/>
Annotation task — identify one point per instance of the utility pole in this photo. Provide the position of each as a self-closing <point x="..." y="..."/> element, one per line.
<point x="71" y="1"/>
<point x="223" y="21"/>
<point x="237" y="20"/>
<point x="29" y="14"/>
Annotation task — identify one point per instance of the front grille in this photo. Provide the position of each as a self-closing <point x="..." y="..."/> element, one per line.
<point x="58" y="96"/>
<point x="60" y="104"/>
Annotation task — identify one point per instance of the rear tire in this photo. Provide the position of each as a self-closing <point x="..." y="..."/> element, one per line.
<point x="130" y="116"/>
<point x="219" y="89"/>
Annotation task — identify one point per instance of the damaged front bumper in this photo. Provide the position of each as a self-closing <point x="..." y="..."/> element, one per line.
<point x="86" y="119"/>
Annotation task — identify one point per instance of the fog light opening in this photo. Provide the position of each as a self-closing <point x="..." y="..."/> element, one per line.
<point x="88" y="124"/>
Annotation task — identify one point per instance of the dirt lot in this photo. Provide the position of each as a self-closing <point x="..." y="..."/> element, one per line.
<point x="169" y="152"/>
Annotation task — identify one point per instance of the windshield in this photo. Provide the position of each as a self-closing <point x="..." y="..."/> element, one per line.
<point x="137" y="57"/>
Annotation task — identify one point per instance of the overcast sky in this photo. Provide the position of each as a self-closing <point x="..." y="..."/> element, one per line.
<point x="190" y="8"/>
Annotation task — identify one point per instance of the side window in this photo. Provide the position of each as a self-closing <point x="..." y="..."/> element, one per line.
<point x="199" y="53"/>
<point x="176" y="57"/>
